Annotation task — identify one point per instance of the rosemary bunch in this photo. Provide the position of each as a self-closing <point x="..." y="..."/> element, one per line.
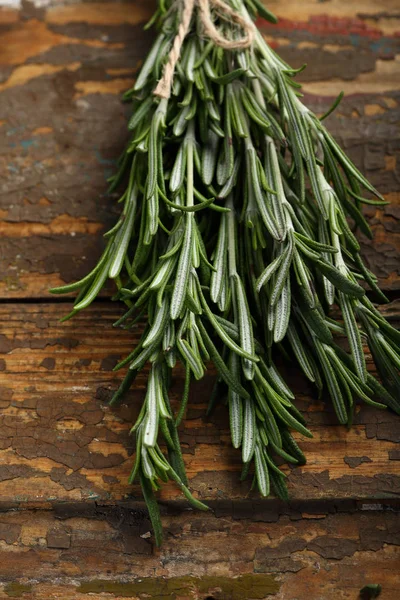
<point x="234" y="241"/>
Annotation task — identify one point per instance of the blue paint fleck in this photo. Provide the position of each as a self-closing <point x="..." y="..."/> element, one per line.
<point x="383" y="46"/>
<point x="104" y="161"/>
<point x="354" y="39"/>
<point x="28" y="143"/>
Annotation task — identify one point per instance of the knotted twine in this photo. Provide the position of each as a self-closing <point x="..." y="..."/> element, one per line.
<point x="164" y="86"/>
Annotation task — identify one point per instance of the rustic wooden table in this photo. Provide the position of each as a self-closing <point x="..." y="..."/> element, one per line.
<point x="69" y="524"/>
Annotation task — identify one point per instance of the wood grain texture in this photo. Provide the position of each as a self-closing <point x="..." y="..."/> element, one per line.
<point x="107" y="553"/>
<point x="61" y="441"/>
<point x="63" y="124"/>
<point x="70" y="526"/>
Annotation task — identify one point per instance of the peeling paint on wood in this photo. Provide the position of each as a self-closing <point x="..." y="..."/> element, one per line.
<point x="70" y="527"/>
<point x="78" y="58"/>
<point x="204" y="555"/>
<point x="59" y="434"/>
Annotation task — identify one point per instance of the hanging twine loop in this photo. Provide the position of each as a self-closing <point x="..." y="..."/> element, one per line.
<point x="164" y="86"/>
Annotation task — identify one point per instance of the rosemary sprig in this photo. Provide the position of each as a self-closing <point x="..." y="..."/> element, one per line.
<point x="234" y="242"/>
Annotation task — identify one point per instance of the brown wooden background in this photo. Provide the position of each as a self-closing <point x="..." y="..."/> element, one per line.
<point x="69" y="523"/>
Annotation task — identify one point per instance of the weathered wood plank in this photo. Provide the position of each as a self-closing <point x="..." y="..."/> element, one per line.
<point x="70" y="527"/>
<point x="59" y="439"/>
<point x="107" y="552"/>
<point x="63" y="124"/>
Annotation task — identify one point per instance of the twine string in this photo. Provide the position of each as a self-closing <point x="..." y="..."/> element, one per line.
<point x="164" y="86"/>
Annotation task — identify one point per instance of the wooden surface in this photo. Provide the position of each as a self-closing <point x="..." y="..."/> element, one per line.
<point x="62" y="442"/>
<point x="69" y="523"/>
